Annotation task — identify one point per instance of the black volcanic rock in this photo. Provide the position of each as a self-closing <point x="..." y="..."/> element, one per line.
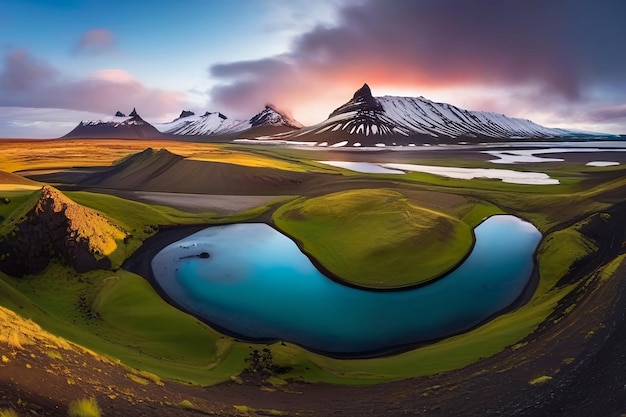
<point x="119" y="114"/>
<point x="134" y="113"/>
<point x="362" y="100"/>
<point x="219" y="114"/>
<point x="58" y="228"/>
<point x="186" y="113"/>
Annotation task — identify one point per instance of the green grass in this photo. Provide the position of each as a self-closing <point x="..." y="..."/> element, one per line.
<point x="118" y="314"/>
<point x="448" y="354"/>
<point x="479" y="212"/>
<point x="140" y="329"/>
<point x="131" y="323"/>
<point x="134" y="325"/>
<point x="20" y="203"/>
<point x="558" y="253"/>
<point x="376" y="238"/>
<point x="141" y="220"/>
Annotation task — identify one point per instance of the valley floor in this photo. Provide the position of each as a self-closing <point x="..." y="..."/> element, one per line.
<point x="582" y="354"/>
<point x="572" y="365"/>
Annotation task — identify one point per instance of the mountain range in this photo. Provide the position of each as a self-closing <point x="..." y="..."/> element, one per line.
<point x="364" y="120"/>
<point x="118" y="126"/>
<point x="217" y="123"/>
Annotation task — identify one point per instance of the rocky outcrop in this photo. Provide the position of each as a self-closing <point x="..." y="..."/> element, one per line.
<point x="58" y="228"/>
<point x="118" y="126"/>
<point x="186" y="113"/>
<point x="271" y="116"/>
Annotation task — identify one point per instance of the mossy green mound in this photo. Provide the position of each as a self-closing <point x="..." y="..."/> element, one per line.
<point x="376" y="238"/>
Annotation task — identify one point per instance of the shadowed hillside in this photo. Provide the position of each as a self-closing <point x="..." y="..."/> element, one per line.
<point x="7" y="178"/>
<point x="56" y="227"/>
<point x="164" y="171"/>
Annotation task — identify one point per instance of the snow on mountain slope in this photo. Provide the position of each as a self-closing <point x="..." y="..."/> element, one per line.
<point x="207" y="124"/>
<point x="441" y="119"/>
<point x="375" y="121"/>
<point x="270" y="116"/>
<point x="118" y="126"/>
<point x="217" y="124"/>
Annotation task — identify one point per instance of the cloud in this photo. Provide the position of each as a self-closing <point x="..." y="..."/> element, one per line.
<point x="28" y="82"/>
<point x="608" y="113"/>
<point x="22" y="72"/>
<point x="95" y="42"/>
<point x="560" y="49"/>
<point x="21" y="122"/>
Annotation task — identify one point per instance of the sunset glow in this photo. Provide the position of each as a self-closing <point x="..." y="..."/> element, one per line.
<point x="236" y="56"/>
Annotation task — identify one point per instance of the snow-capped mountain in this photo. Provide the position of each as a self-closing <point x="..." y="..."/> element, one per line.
<point x="118" y="126"/>
<point x="270" y="116"/>
<point x="368" y="121"/>
<point x="208" y="124"/>
<point x="218" y="124"/>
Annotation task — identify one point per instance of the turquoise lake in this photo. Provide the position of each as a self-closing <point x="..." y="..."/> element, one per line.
<point x="256" y="283"/>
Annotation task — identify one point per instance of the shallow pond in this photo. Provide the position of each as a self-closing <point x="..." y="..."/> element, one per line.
<point x="506" y="175"/>
<point x="256" y="283"/>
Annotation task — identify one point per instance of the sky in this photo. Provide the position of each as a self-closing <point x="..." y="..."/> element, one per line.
<point x="560" y="63"/>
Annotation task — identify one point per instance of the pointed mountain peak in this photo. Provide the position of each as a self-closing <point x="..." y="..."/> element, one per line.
<point x="119" y="114"/>
<point x="362" y="101"/>
<point x="134" y="113"/>
<point x="271" y="116"/>
<point x="186" y="113"/>
<point x="218" y="114"/>
<point x="364" y="93"/>
<point x="56" y="227"/>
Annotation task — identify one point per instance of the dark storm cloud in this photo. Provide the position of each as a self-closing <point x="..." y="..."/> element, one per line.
<point x="28" y="82"/>
<point x="563" y="48"/>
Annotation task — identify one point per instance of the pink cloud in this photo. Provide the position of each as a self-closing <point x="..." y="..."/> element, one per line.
<point x="556" y="50"/>
<point x="22" y="72"/>
<point x="28" y="82"/>
<point x="95" y="42"/>
<point x="603" y="114"/>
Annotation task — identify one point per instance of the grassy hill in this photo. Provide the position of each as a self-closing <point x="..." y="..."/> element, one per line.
<point x="376" y="238"/>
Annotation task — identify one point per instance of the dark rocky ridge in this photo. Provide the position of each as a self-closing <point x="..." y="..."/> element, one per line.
<point x="271" y="116"/>
<point x="362" y="101"/>
<point x="58" y="228"/>
<point x="186" y="113"/>
<point x="371" y="121"/>
<point x="133" y="127"/>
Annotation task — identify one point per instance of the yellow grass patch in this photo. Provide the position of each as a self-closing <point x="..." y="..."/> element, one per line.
<point x="242" y="158"/>
<point x="540" y="380"/>
<point x="19" y="155"/>
<point x="99" y="232"/>
<point x="18" y="187"/>
<point x="18" y="332"/>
